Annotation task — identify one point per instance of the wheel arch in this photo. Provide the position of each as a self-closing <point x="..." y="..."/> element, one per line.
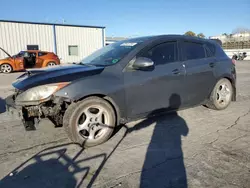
<point x="10" y="64"/>
<point x="46" y="61"/>
<point x="232" y="81"/>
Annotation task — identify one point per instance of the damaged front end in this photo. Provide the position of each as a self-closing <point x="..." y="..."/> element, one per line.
<point x="38" y="102"/>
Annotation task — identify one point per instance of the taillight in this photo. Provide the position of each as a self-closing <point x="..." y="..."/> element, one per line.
<point x="55" y="56"/>
<point x="234" y="61"/>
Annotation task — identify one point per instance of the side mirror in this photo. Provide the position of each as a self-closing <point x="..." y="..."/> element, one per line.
<point x="143" y="63"/>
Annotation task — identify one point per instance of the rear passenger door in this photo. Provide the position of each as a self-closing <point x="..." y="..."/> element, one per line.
<point x="39" y="59"/>
<point x="199" y="78"/>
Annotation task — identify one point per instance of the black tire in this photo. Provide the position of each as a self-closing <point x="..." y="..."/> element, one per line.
<point x="213" y="102"/>
<point x="4" y="64"/>
<point x="71" y="120"/>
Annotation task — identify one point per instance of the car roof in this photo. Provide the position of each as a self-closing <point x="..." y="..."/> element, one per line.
<point x="171" y="37"/>
<point x="38" y="51"/>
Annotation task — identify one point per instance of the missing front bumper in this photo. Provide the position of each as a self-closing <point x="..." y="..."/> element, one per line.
<point x="31" y="114"/>
<point x="17" y="111"/>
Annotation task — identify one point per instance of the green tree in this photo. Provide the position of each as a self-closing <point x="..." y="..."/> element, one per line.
<point x="190" y="33"/>
<point x="201" y="35"/>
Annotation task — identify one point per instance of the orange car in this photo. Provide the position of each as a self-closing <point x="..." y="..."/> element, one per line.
<point x="28" y="59"/>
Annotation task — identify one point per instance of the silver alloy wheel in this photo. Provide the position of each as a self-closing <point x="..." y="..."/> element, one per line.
<point x="50" y="64"/>
<point x="6" y="68"/>
<point x="223" y="94"/>
<point x="93" y="123"/>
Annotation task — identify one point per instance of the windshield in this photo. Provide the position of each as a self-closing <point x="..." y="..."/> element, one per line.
<point x="112" y="53"/>
<point x="20" y="54"/>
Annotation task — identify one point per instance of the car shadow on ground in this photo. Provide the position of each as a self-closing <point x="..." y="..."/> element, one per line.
<point x="163" y="165"/>
<point x="2" y="105"/>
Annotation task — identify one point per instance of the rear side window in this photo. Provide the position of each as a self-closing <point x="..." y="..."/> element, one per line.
<point x="193" y="50"/>
<point x="42" y="53"/>
<point x="163" y="53"/>
<point x="208" y="52"/>
<point x="211" y="48"/>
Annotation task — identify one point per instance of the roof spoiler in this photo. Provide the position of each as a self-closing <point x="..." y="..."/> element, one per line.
<point x="218" y="41"/>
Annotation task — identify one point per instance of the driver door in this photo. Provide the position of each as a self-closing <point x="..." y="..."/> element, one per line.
<point x="149" y="90"/>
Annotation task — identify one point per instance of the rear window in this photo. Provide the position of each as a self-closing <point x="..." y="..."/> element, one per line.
<point x="193" y="50"/>
<point x="42" y="53"/>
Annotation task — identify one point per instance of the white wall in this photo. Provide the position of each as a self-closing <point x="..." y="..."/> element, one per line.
<point x="15" y="37"/>
<point x="88" y="40"/>
<point x="230" y="52"/>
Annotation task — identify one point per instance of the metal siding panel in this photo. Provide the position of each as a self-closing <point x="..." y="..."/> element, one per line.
<point x="88" y="40"/>
<point x="15" y="37"/>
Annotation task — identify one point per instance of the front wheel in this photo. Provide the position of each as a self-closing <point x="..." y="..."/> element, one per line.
<point x="221" y="95"/>
<point x="6" y="68"/>
<point x="89" y="122"/>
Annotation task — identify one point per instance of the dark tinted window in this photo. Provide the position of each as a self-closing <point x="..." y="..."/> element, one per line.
<point x="20" y="54"/>
<point x="163" y="53"/>
<point x="32" y="47"/>
<point x="193" y="50"/>
<point x="42" y="53"/>
<point x="211" y="47"/>
<point x="208" y="52"/>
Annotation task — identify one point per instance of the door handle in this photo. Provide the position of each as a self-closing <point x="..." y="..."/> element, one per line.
<point x="212" y="64"/>
<point x="176" y="71"/>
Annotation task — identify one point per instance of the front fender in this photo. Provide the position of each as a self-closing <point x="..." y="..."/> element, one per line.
<point x="13" y="64"/>
<point x="109" y="86"/>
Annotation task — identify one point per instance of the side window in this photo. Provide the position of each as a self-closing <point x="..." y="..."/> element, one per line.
<point x="26" y="54"/>
<point x="193" y="50"/>
<point x="208" y="52"/>
<point x="211" y="47"/>
<point x="33" y="54"/>
<point x="42" y="53"/>
<point x="163" y="53"/>
<point x="20" y="54"/>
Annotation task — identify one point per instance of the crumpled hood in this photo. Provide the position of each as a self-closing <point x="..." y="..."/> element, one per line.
<point x="59" y="73"/>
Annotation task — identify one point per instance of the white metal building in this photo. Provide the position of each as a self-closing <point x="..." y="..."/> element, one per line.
<point x="70" y="42"/>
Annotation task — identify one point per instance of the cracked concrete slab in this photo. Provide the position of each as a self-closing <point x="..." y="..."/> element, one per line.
<point x="197" y="147"/>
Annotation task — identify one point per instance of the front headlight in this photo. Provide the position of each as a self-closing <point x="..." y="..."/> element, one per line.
<point x="40" y="93"/>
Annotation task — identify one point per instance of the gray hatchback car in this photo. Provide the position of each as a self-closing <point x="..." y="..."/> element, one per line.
<point x="124" y="81"/>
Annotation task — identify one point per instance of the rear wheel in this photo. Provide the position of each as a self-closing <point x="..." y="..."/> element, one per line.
<point x="221" y="95"/>
<point x="6" y="68"/>
<point x="51" y="63"/>
<point x="89" y="122"/>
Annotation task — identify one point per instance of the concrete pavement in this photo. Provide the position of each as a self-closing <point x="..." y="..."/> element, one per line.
<point x="196" y="147"/>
